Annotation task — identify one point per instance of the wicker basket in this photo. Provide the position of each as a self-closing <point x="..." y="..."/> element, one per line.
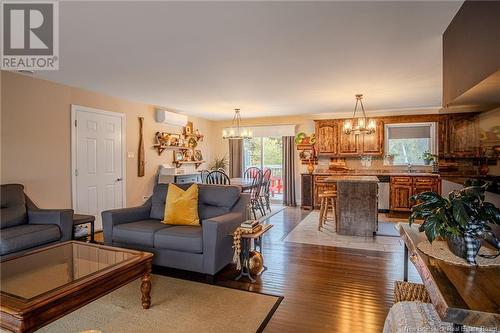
<point x="408" y="291"/>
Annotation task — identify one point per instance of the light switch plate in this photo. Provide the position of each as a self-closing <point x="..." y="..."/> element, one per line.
<point x="130" y="154"/>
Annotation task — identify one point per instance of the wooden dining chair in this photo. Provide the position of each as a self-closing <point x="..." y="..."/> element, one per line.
<point x="255" y="198"/>
<point x="251" y="172"/>
<point x="203" y="174"/>
<point x="218" y="178"/>
<point x="266" y="186"/>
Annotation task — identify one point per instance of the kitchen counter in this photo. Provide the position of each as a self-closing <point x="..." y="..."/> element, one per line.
<point x="352" y="179"/>
<point x="325" y="172"/>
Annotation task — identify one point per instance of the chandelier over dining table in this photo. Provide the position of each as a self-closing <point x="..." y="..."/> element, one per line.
<point x="236" y="132"/>
<point x="361" y="124"/>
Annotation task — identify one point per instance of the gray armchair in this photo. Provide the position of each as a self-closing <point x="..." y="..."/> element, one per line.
<point x="24" y="226"/>
<point x="204" y="249"/>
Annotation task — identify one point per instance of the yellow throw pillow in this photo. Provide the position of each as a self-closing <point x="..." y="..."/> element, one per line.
<point x="181" y="207"/>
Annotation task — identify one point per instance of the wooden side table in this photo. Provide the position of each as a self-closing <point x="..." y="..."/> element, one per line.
<point x="246" y="247"/>
<point x="79" y="219"/>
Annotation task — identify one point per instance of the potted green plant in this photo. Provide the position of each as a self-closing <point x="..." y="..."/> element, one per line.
<point x="219" y="163"/>
<point x="463" y="219"/>
<point x="428" y="157"/>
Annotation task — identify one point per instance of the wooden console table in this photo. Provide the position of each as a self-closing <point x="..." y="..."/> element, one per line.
<point x="461" y="295"/>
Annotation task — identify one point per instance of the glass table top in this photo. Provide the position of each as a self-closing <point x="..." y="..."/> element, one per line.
<point x="34" y="274"/>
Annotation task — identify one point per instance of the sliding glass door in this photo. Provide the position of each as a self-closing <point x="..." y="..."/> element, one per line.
<point x="266" y="153"/>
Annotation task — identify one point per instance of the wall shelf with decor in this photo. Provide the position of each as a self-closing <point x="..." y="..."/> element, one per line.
<point x="169" y="141"/>
<point x="188" y="140"/>
<point x="306" y="146"/>
<point x="199" y="137"/>
<point x="161" y="148"/>
<point x="188" y="154"/>
<point x="178" y="164"/>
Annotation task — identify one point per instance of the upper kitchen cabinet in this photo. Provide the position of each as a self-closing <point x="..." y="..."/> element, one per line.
<point x="463" y="135"/>
<point x="332" y="141"/>
<point x="326" y="137"/>
<point x="362" y="144"/>
<point x="459" y="135"/>
<point x="373" y="144"/>
<point x="348" y="143"/>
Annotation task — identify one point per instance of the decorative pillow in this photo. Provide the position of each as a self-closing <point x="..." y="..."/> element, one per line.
<point x="181" y="207"/>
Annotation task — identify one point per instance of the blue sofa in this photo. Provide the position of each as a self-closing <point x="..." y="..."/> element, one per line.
<point x="204" y="249"/>
<point x="24" y="226"/>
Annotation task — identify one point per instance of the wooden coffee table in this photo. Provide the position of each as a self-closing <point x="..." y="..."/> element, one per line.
<point x="41" y="286"/>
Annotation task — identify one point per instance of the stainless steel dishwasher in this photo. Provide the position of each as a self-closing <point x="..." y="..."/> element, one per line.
<point x="384" y="193"/>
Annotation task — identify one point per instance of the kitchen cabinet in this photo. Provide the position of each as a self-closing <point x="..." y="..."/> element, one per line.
<point x="348" y="143"/>
<point x="425" y="184"/>
<point x="326" y="137"/>
<point x="373" y="144"/>
<point x="321" y="185"/>
<point x="463" y="135"/>
<point x="403" y="187"/>
<point x="307" y="191"/>
<point x="458" y="135"/>
<point x="401" y="191"/>
<point x="361" y="144"/>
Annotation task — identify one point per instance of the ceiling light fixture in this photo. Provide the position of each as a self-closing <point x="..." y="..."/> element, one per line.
<point x="361" y="124"/>
<point x="235" y="132"/>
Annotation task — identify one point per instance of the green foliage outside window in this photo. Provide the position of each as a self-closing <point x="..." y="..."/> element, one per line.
<point x="269" y="148"/>
<point x="409" y="150"/>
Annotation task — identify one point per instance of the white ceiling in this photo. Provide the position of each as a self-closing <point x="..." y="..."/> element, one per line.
<point x="268" y="58"/>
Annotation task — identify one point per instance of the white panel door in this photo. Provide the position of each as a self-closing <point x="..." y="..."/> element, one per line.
<point x="98" y="174"/>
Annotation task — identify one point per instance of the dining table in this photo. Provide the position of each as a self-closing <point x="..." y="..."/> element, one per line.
<point x="245" y="183"/>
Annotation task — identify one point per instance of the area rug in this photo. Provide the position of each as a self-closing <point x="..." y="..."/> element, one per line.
<point x="176" y="306"/>
<point x="306" y="232"/>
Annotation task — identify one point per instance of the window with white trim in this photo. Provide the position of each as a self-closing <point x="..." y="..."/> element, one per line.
<point x="409" y="141"/>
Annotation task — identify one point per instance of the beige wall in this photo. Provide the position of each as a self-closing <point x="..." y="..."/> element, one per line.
<point x="36" y="144"/>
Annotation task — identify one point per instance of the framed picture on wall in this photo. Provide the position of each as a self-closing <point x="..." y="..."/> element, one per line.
<point x="173" y="139"/>
<point x="198" y="156"/>
<point x="178" y="156"/>
<point x="188" y="155"/>
<point x="188" y="130"/>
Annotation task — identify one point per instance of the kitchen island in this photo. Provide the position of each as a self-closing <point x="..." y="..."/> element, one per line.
<point x="357" y="206"/>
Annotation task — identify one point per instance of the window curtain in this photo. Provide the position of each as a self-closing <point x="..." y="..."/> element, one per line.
<point x="289" y="171"/>
<point x="235" y="158"/>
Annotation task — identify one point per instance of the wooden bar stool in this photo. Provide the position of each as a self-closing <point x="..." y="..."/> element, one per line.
<point x="327" y="199"/>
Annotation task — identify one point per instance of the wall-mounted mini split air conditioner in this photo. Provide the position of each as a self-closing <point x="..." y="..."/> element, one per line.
<point x="171" y="118"/>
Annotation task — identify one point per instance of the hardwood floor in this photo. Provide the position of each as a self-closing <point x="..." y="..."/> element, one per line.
<point x="325" y="289"/>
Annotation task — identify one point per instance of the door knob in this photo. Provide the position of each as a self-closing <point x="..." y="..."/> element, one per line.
<point x="119" y="179"/>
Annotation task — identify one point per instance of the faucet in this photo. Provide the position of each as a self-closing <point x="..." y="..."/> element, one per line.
<point x="409" y="168"/>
